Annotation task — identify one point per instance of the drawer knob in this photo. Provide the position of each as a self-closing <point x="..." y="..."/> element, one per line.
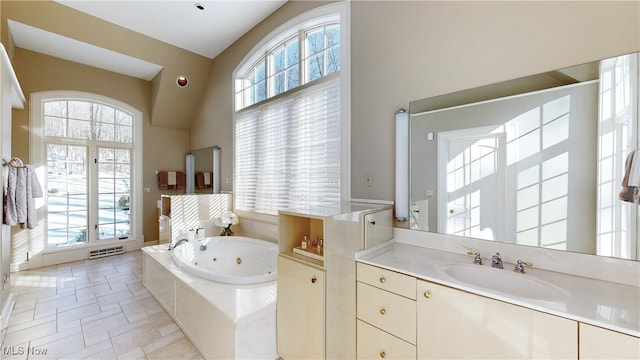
<point x="382" y="354"/>
<point x="372" y="222"/>
<point x="382" y="279"/>
<point x="427" y="294"/>
<point x="313" y="279"/>
<point x="382" y="311"/>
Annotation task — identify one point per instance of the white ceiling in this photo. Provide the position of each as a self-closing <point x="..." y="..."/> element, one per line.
<point x="180" y="23"/>
<point x="177" y="22"/>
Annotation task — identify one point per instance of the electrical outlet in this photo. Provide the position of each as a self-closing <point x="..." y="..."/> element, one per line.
<point x="368" y="180"/>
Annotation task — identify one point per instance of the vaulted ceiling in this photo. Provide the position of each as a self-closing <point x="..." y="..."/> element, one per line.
<point x="151" y="40"/>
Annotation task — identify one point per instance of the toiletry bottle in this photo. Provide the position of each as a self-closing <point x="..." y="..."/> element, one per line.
<point x="320" y="246"/>
<point x="305" y="240"/>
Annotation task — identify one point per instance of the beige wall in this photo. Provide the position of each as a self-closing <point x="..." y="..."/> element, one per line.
<point x="400" y="52"/>
<point x="425" y="48"/>
<point x="163" y="149"/>
<point x="404" y="51"/>
<point x="213" y="123"/>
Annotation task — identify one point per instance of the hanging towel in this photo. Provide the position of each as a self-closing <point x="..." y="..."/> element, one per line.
<point x="171" y="179"/>
<point x="22" y="189"/>
<point x="200" y="180"/>
<point x="630" y="191"/>
<point x="179" y="180"/>
<point x="162" y="180"/>
<point x="207" y="179"/>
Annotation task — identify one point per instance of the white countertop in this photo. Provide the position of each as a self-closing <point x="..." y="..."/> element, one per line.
<point x="601" y="303"/>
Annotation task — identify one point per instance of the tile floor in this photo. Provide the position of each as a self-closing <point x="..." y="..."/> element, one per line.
<point x="91" y="309"/>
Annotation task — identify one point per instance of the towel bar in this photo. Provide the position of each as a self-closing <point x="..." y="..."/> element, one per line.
<point x="12" y="163"/>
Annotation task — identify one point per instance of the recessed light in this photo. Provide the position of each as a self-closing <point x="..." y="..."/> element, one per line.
<point x="199" y="6"/>
<point x="182" y="81"/>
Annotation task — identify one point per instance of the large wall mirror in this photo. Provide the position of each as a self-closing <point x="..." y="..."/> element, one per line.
<point x="205" y="170"/>
<point x="536" y="161"/>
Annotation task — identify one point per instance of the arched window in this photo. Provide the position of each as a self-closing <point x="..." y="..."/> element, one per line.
<point x="86" y="150"/>
<point x="288" y="133"/>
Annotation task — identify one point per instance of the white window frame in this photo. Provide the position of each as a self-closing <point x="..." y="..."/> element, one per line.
<point x="307" y="21"/>
<point x="38" y="160"/>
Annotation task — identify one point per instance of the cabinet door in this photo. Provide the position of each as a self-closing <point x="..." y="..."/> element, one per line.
<point x="456" y="324"/>
<point x="598" y="343"/>
<point x="300" y="310"/>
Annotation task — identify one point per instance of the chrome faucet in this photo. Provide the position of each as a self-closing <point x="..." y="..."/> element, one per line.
<point x="520" y="266"/>
<point x="496" y="261"/>
<point x="173" y="246"/>
<point x="477" y="259"/>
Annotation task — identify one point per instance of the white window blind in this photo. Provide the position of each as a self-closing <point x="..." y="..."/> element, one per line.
<point x="287" y="151"/>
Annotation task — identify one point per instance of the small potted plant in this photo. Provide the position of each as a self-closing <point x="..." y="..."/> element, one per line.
<point x="225" y="220"/>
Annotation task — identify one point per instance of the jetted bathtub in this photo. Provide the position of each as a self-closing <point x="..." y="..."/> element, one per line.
<point x="228" y="259"/>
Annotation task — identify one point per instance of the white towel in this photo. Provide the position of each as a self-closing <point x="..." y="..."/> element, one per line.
<point x="207" y="179"/>
<point x="22" y="188"/>
<point x="171" y="178"/>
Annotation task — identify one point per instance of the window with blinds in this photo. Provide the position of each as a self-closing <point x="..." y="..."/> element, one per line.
<point x="287" y="151"/>
<point x="287" y="133"/>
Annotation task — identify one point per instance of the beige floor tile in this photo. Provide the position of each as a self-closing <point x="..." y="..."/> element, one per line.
<point x="56" y="302"/>
<point x="62" y="347"/>
<point x="168" y="329"/>
<point x="68" y="330"/>
<point x="21" y="317"/>
<point x="29" y="333"/>
<point x="93" y="352"/>
<point x="114" y="296"/>
<point x="117" y="331"/>
<point x="78" y="313"/>
<point x="181" y="349"/>
<point x="136" y="338"/>
<point x="29" y="324"/>
<point x="133" y="354"/>
<point x="102" y="315"/>
<point x="163" y="342"/>
<point x="91" y="309"/>
<point x="78" y="304"/>
<point x="102" y="327"/>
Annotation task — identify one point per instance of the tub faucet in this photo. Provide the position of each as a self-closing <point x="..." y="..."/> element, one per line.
<point x="496" y="261"/>
<point x="173" y="246"/>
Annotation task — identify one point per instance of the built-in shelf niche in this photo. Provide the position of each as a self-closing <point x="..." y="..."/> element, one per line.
<point x="293" y="228"/>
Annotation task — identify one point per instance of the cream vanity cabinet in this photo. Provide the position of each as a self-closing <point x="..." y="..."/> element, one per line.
<point x="599" y="343"/>
<point x="455" y="324"/>
<point x="386" y="310"/>
<point x="317" y="289"/>
<point x="401" y="317"/>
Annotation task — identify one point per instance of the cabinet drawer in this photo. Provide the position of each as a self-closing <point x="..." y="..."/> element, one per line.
<point x="390" y="312"/>
<point x="378" y="228"/>
<point x="387" y="280"/>
<point x="374" y="343"/>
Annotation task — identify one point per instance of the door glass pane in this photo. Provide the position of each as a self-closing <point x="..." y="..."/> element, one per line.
<point x="66" y="195"/>
<point x="114" y="178"/>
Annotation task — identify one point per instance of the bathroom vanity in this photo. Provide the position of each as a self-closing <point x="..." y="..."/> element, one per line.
<point x="416" y="302"/>
<point x="317" y="288"/>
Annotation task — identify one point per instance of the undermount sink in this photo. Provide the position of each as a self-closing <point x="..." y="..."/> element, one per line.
<point x="504" y="281"/>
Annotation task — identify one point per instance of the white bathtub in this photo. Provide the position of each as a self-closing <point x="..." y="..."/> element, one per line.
<point x="228" y="259"/>
<point x="223" y="321"/>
